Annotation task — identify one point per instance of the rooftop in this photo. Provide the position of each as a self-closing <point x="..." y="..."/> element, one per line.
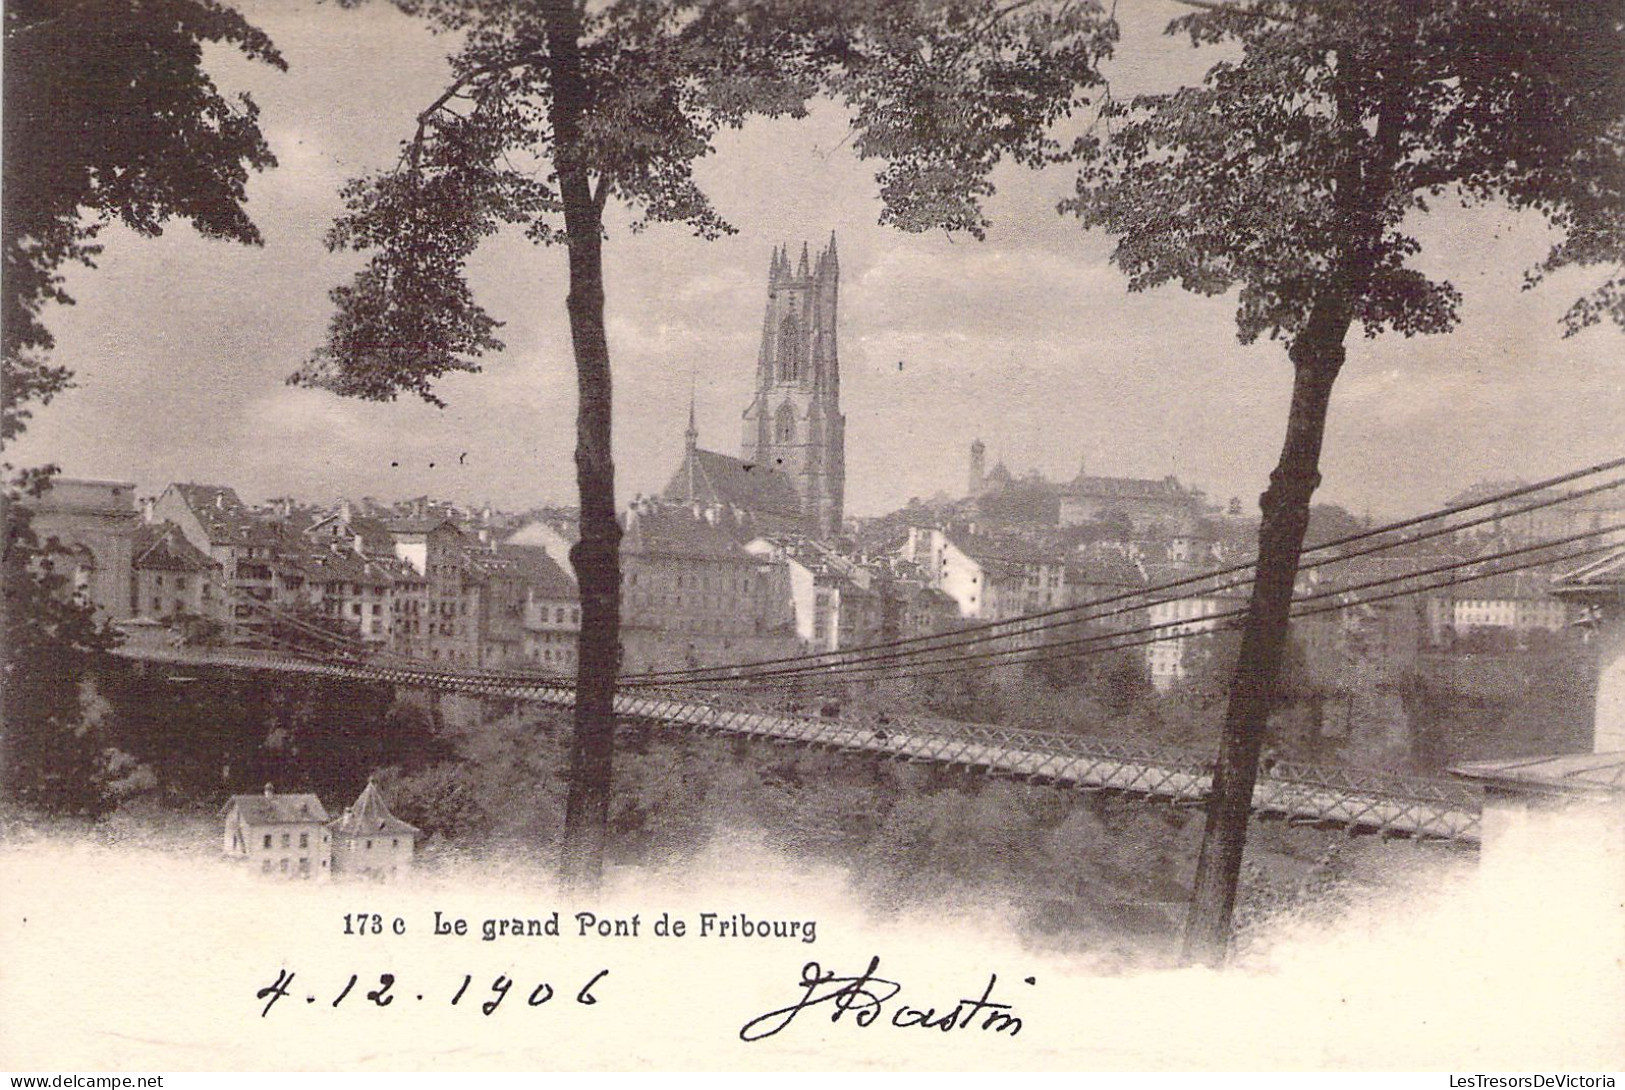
<point x="710" y="478"/>
<point x="370" y="816"/>
<point x="271" y="809"/>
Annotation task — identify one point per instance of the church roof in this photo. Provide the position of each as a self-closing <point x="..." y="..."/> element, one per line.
<point x="708" y="477"/>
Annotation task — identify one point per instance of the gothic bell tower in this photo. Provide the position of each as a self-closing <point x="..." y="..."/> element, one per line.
<point x="794" y="424"/>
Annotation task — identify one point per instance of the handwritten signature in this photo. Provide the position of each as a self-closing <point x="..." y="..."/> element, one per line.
<point x="865" y="996"/>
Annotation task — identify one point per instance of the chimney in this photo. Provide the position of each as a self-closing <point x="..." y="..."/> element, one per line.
<point x="148" y="510"/>
<point x="268" y="791"/>
<point x="344" y="510"/>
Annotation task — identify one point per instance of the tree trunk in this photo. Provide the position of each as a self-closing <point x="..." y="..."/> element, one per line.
<point x="1317" y="356"/>
<point x="596" y="557"/>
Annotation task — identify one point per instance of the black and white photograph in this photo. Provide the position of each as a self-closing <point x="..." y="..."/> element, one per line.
<point x="813" y="535"/>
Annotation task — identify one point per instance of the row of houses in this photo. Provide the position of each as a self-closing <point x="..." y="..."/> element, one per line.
<point x="702" y="584"/>
<point x="196" y="562"/>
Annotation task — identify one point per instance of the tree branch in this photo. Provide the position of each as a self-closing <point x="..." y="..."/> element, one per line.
<point x="455" y="91"/>
<point x="1232" y="9"/>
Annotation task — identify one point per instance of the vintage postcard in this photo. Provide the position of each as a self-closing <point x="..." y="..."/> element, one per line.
<point x="952" y="346"/>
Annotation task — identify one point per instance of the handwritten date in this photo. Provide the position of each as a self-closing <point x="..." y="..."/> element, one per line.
<point x="386" y="992"/>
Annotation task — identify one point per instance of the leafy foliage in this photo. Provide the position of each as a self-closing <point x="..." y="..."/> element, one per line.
<point x="941" y="89"/>
<point x="1340" y="122"/>
<point x="110" y="112"/>
<point x="53" y="751"/>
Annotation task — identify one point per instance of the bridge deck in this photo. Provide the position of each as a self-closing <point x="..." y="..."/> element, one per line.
<point x="1355" y="799"/>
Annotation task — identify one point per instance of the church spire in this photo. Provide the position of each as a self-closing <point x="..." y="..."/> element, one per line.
<point x="692" y="435"/>
<point x="801" y="270"/>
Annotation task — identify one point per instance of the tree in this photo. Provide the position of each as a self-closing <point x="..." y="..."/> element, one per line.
<point x="621" y="103"/>
<point x="109" y="117"/>
<point x="109" y="112"/>
<point x="51" y="755"/>
<point x="1295" y="171"/>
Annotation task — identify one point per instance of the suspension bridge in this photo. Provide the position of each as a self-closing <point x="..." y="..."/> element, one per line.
<point x="705" y="699"/>
<point x="1360" y="801"/>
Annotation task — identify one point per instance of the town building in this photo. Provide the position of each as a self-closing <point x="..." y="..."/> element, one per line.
<point x="217" y="523"/>
<point x="370" y="842"/>
<point x="281" y="835"/>
<point x="171" y="578"/>
<point x="89" y="531"/>
<point x="552" y="609"/>
<point x="1518" y="602"/>
<point x="1143" y="506"/>
<point x="692" y="595"/>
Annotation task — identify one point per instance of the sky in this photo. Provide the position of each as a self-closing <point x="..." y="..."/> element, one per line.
<point x="1028" y="340"/>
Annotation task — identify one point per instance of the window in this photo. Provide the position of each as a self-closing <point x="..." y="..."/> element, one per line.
<point x="304" y="866"/>
<point x="369" y="845"/>
<point x="395" y="842"/>
<point x="789" y="349"/>
<point x="784" y="425"/>
<point x="304" y="840"/>
<point x="286" y="839"/>
<point x="265" y="864"/>
<point x="284" y="866"/>
<point x="267" y="840"/>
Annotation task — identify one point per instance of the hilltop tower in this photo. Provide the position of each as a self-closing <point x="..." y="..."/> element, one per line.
<point x="794" y="425"/>
<point x="978" y="468"/>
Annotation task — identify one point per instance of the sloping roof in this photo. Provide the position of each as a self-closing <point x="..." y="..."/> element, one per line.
<point x="708" y="477"/>
<point x="224" y="517"/>
<point x="370" y="816"/>
<point x="1577" y="773"/>
<point x="539" y="571"/>
<point x="344" y="566"/>
<point x="164" y="548"/>
<point x="675" y="530"/>
<point x="278" y="809"/>
<point x="374" y="534"/>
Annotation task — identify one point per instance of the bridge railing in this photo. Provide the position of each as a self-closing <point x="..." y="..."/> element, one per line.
<point x="1349" y="795"/>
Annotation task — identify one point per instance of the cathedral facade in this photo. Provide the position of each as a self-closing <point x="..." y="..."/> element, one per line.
<point x="791" y="472"/>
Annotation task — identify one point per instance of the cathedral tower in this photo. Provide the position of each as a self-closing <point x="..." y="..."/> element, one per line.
<point x="794" y="424"/>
